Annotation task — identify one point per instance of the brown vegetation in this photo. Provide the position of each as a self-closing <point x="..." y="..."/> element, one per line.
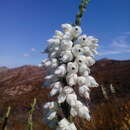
<point x="19" y="86"/>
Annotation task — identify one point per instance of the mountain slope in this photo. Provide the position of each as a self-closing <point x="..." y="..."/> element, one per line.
<point x="20" y="85"/>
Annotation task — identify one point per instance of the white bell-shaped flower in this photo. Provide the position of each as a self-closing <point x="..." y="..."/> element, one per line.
<point x="83" y="89"/>
<point x="66" y="56"/>
<point x="63" y="123"/>
<point x="73" y="112"/>
<point x="49" y="105"/>
<point x="54" y="62"/>
<point x="61" y="70"/>
<point x="57" y="87"/>
<point x="81" y="59"/>
<point x="61" y="98"/>
<point x="71" y="127"/>
<point x="67" y="90"/>
<point x="87" y="51"/>
<point x="72" y="68"/>
<point x="54" y="41"/>
<point x="48" y="77"/>
<point x="76" y="31"/>
<point x="82" y="40"/>
<point x="51" y="116"/>
<point x="78" y="105"/>
<point x="77" y="50"/>
<point x="90" y="61"/>
<point x="71" y="79"/>
<point x="51" y="78"/>
<point x="87" y="95"/>
<point x="46" y="63"/>
<point x="67" y="36"/>
<point x="84" y="112"/>
<point x="71" y="99"/>
<point x="81" y="80"/>
<point x="66" y="27"/>
<point x="58" y="35"/>
<point x="92" y="42"/>
<point x="92" y="82"/>
<point x="66" y="45"/>
<point x="84" y="70"/>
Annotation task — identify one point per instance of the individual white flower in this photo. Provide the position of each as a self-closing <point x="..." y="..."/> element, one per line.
<point x="54" y="62"/>
<point x="81" y="59"/>
<point x="48" y="77"/>
<point x="71" y="99"/>
<point x="94" y="51"/>
<point x="84" y="91"/>
<point x="92" y="42"/>
<point x="71" y="79"/>
<point x="50" y="63"/>
<point x="66" y="56"/>
<point x="46" y="63"/>
<point x="66" y="45"/>
<point x="66" y="27"/>
<point x="57" y="87"/>
<point x="84" y="70"/>
<point x="82" y="40"/>
<point x="63" y="123"/>
<point x="88" y="52"/>
<point x="53" y="45"/>
<point x="53" y="54"/>
<point x="81" y="80"/>
<point x="73" y="112"/>
<point x="84" y="112"/>
<point x="40" y="65"/>
<point x="71" y="31"/>
<point x="92" y="82"/>
<point x="78" y="105"/>
<point x="72" y="68"/>
<point x="61" y="70"/>
<point x="52" y="116"/>
<point x="71" y="127"/>
<point x="77" y="50"/>
<point x="67" y="90"/>
<point x="76" y="31"/>
<point x="49" y="105"/>
<point x="58" y="35"/>
<point x="67" y="36"/>
<point x="51" y="78"/>
<point x="61" y="98"/>
<point x="90" y="61"/>
<point x="86" y="94"/>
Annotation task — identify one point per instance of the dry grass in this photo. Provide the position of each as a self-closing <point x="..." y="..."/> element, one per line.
<point x="112" y="114"/>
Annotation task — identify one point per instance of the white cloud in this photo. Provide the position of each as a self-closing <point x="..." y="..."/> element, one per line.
<point x="109" y="53"/>
<point x="33" y="49"/>
<point x="119" y="45"/>
<point x="26" y="55"/>
<point x="121" y="42"/>
<point x="127" y="33"/>
<point x="114" y="52"/>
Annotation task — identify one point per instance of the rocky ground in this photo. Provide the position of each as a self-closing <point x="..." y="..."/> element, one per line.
<point x="19" y="86"/>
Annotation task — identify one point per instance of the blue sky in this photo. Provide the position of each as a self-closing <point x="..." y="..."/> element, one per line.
<point x="25" y="25"/>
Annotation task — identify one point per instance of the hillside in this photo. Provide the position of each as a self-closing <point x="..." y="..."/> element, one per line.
<point x="3" y="68"/>
<point x="18" y="87"/>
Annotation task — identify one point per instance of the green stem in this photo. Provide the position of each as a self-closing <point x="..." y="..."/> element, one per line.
<point x="30" y="122"/>
<point x="83" y="5"/>
<point x="4" y="127"/>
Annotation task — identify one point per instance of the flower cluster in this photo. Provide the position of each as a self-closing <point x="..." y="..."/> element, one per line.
<point x="70" y="53"/>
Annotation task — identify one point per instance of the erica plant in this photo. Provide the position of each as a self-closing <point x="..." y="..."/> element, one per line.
<point x="70" y="54"/>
